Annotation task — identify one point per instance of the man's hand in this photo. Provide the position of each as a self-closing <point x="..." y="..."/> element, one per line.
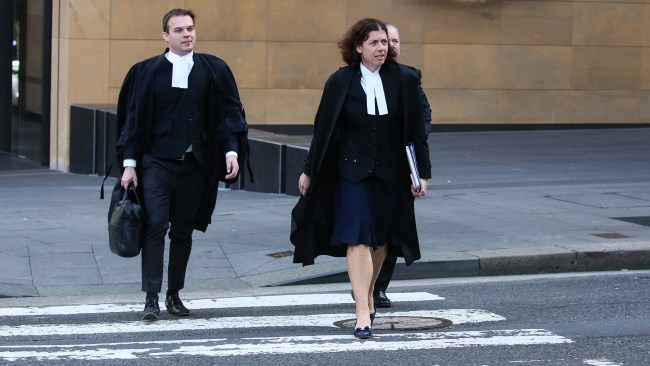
<point x="232" y="167"/>
<point x="129" y="176"/>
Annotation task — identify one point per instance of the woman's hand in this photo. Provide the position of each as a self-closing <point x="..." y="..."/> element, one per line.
<point x="422" y="192"/>
<point x="303" y="184"/>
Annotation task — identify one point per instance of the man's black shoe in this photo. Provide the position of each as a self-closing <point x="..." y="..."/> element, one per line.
<point x="151" y="309"/>
<point x="381" y="300"/>
<point x="175" y="306"/>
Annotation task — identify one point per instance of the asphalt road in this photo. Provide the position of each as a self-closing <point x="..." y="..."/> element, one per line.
<point x="598" y="319"/>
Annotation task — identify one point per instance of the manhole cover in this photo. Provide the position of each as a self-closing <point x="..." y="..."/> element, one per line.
<point x="287" y="253"/>
<point x="400" y="323"/>
<point x="611" y="236"/>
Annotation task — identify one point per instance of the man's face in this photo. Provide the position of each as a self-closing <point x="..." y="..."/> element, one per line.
<point x="180" y="35"/>
<point x="393" y="39"/>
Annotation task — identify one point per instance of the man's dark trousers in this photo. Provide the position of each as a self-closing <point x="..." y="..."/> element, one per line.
<point x="385" y="274"/>
<point x="172" y="194"/>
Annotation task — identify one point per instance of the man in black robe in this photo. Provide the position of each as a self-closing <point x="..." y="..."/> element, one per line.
<point x="182" y="128"/>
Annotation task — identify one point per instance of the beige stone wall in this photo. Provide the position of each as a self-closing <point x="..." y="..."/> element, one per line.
<point x="482" y="61"/>
<point x="537" y="61"/>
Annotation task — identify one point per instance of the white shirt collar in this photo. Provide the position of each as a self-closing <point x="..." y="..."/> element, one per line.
<point x="171" y="56"/>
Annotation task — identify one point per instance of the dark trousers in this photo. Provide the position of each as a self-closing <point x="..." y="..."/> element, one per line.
<point x="172" y="193"/>
<point x="385" y="273"/>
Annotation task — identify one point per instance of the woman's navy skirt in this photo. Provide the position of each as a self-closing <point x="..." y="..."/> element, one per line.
<point x="365" y="212"/>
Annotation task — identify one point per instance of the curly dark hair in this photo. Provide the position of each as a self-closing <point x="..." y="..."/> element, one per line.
<point x="176" y="13"/>
<point x="356" y="35"/>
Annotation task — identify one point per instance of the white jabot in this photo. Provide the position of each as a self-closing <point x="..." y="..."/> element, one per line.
<point x="371" y="83"/>
<point x="182" y="67"/>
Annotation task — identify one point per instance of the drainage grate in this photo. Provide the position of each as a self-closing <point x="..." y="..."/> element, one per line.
<point x="287" y="253"/>
<point x="400" y="323"/>
<point x="611" y="236"/>
<point x="639" y="220"/>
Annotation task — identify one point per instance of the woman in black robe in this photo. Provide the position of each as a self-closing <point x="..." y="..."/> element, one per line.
<point x="356" y="193"/>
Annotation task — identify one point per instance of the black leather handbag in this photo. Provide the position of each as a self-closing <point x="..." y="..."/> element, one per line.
<point x="125" y="225"/>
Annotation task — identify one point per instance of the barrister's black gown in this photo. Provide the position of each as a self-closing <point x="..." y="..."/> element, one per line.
<point x="313" y="216"/>
<point x="157" y="124"/>
<point x="224" y="129"/>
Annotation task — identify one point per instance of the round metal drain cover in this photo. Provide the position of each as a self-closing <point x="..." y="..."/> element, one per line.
<point x="400" y="323"/>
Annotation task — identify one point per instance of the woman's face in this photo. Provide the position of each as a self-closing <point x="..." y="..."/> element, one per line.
<point x="374" y="50"/>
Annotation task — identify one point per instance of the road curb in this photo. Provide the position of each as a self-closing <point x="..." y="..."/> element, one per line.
<point x="515" y="261"/>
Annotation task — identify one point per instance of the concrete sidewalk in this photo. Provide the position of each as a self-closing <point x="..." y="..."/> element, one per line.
<point x="499" y="203"/>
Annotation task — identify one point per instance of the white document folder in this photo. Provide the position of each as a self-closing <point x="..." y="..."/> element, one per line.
<point x="413" y="166"/>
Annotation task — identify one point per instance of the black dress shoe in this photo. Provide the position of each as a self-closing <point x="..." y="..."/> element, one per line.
<point x="175" y="306"/>
<point x="381" y="300"/>
<point x="363" y="333"/>
<point x="151" y="309"/>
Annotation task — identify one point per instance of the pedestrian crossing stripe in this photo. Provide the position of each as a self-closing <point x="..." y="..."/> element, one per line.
<point x="222" y="303"/>
<point x="234" y="346"/>
<point x="457" y="316"/>
<point x="281" y="345"/>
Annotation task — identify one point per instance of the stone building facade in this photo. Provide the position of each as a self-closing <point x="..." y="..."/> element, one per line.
<point x="483" y="62"/>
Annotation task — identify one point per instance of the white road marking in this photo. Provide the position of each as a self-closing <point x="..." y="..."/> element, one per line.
<point x="282" y="345"/>
<point x="224" y="303"/>
<point x="601" y="362"/>
<point x="457" y="316"/>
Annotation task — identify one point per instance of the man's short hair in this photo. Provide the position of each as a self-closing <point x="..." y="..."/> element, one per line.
<point x="176" y="13"/>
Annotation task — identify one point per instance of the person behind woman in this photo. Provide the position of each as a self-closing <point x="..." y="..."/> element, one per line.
<point x="387" y="269"/>
<point x="356" y="194"/>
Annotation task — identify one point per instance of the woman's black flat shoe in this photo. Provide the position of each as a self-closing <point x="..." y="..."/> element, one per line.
<point x="363" y="333"/>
